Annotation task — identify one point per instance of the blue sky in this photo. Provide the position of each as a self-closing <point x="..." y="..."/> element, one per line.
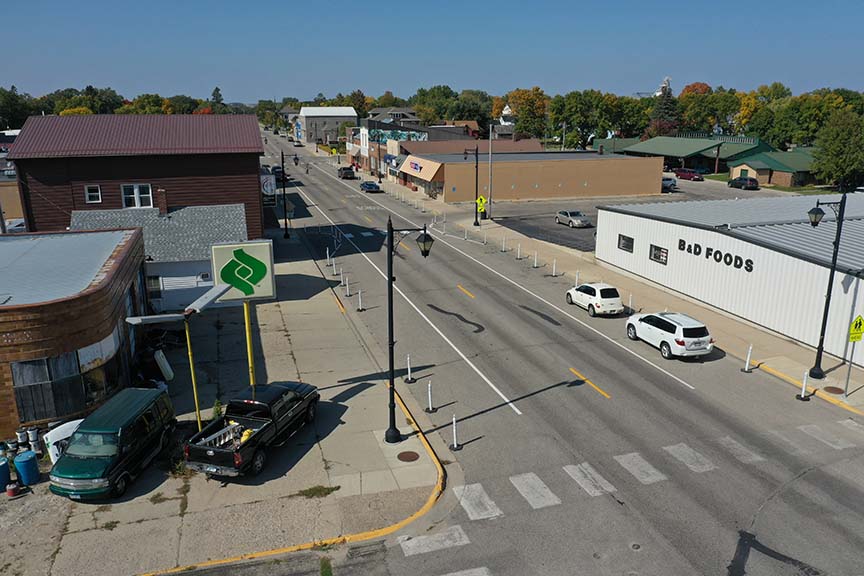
<point x="271" y="49"/>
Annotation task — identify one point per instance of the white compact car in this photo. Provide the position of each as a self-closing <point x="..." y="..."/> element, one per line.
<point x="572" y="218"/>
<point x="673" y="333"/>
<point x="596" y="298"/>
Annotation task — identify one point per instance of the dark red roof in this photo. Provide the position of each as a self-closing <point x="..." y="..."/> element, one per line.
<point x="136" y="135"/>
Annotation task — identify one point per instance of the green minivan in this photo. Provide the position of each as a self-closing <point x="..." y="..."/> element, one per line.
<point x="114" y="444"/>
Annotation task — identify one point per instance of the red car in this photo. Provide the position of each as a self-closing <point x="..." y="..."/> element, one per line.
<point x="688" y="174"/>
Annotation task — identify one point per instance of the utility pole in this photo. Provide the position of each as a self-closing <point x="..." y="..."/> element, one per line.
<point x="563" y="135"/>
<point x="489" y="206"/>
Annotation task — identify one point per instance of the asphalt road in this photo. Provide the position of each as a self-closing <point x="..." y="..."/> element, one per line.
<point x="584" y="452"/>
<point x="536" y="218"/>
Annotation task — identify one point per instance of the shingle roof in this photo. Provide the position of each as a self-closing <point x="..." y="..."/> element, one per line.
<point x="38" y="268"/>
<point x="673" y="147"/>
<point x="136" y="135"/>
<point x="310" y="111"/>
<point x="792" y="161"/>
<point x="184" y="235"/>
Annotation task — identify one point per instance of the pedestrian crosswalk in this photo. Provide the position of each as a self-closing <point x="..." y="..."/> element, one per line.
<point x="647" y="469"/>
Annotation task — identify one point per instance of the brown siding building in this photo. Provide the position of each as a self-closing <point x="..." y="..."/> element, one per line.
<point x="113" y="161"/>
<point x="64" y="345"/>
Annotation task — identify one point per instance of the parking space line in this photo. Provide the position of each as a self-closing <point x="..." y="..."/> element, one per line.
<point x="467" y="293"/>
<point x="581" y="377"/>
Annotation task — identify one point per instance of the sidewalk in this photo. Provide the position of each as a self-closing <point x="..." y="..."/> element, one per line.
<point x="772" y="353"/>
<point x="330" y="481"/>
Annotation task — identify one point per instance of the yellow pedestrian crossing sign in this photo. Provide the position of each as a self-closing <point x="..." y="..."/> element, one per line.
<point x="856" y="329"/>
<point x="481" y="204"/>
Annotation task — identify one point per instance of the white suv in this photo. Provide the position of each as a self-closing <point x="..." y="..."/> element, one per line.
<point x="596" y="298"/>
<point x="673" y="333"/>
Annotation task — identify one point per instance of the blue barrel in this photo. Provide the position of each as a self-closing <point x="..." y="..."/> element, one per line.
<point x="5" y="478"/>
<point x="27" y="467"/>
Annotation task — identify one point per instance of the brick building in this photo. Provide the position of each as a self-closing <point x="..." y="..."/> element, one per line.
<point x="110" y="161"/>
<point x="64" y="345"/>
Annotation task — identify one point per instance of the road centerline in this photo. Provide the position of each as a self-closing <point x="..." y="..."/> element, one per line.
<point x="465" y="291"/>
<point x="587" y="381"/>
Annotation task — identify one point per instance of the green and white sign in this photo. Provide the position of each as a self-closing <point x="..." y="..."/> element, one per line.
<point x="247" y="267"/>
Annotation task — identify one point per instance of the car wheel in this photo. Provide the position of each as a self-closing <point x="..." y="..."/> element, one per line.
<point x="569" y="298"/>
<point x="557" y="221"/>
<point x="311" y="411"/>
<point x="665" y="351"/>
<point x="258" y="462"/>
<point x="591" y="311"/>
<point x="570" y="224"/>
<point x="631" y="332"/>
<point x="729" y="185"/>
<point x="120" y="485"/>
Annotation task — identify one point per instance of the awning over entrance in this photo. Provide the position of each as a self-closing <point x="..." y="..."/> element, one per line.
<point x="421" y="168"/>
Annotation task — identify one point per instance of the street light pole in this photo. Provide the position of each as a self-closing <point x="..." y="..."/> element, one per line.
<point x="489" y="206"/>
<point x="815" y="217"/>
<point x="284" y="198"/>
<point x="476" y="152"/>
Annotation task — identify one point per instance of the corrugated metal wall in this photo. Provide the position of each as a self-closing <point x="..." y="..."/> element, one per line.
<point x="782" y="293"/>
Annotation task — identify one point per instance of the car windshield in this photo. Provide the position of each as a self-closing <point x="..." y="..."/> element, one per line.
<point x="700" y="332"/>
<point x="575" y="214"/>
<point x="608" y="293"/>
<point x="90" y="445"/>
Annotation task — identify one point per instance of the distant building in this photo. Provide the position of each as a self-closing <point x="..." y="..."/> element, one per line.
<point x="106" y="161"/>
<point x="710" y="152"/>
<point x="792" y="168"/>
<point x="396" y="116"/>
<point x="176" y="246"/>
<point x="64" y="345"/>
<point x="321" y="124"/>
<point x="289" y="114"/>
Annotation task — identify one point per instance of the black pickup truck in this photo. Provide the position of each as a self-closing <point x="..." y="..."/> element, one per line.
<point x="262" y="416"/>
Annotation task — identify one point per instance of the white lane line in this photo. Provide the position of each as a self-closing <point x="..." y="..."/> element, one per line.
<point x="851" y="425"/>
<point x="534" y="490"/>
<point x="739" y="451"/>
<point x="825" y="437"/>
<point x="476" y="502"/>
<point x="527" y="291"/>
<point x="640" y="468"/>
<point x="422" y="315"/>
<point x="690" y="458"/>
<point x="471" y="572"/>
<point x="448" y="538"/>
<point x="589" y="479"/>
<point x="366" y="234"/>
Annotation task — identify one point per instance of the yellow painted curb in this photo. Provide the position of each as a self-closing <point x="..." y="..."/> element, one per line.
<point x="359" y="537"/>
<point x="816" y="391"/>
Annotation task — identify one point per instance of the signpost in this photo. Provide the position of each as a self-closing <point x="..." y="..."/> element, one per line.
<point x="481" y="204"/>
<point x="248" y="268"/>
<point x="856" y="331"/>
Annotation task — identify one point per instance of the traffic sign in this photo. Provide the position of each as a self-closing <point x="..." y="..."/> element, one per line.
<point x="481" y="204"/>
<point x="856" y="329"/>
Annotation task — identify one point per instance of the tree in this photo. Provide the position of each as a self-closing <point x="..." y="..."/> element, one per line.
<point x="698" y="88"/>
<point x="839" y="154"/>
<point x="143" y="104"/>
<point x="358" y="101"/>
<point x="79" y="111"/>
<point x="664" y="115"/>
<point x="776" y="91"/>
<point x="319" y="99"/>
<point x="633" y="119"/>
<point x="14" y="108"/>
<point x="216" y="96"/>
<point x="181" y="104"/>
<point x="498" y="104"/>
<point x="426" y="114"/>
<point x="439" y="98"/>
<point x="529" y="106"/>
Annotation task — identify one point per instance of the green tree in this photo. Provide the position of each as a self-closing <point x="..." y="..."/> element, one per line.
<point x="776" y="91"/>
<point x="357" y="100"/>
<point x="182" y="104"/>
<point x="319" y="99"/>
<point x="839" y="154"/>
<point x="216" y="96"/>
<point x="664" y="115"/>
<point x="14" y="108"/>
<point x="529" y="106"/>
<point x="427" y="114"/>
<point x="143" y="104"/>
<point x="633" y="116"/>
<point x="79" y="111"/>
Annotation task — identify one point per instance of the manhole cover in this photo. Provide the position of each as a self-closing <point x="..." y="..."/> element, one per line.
<point x="408" y="456"/>
<point x="833" y="390"/>
<point x="636" y="546"/>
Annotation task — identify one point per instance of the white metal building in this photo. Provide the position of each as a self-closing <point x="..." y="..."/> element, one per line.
<point x="756" y="258"/>
<point x="321" y="123"/>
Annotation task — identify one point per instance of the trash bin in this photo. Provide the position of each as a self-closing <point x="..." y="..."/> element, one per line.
<point x="5" y="476"/>
<point x="484" y="215"/>
<point x="27" y="467"/>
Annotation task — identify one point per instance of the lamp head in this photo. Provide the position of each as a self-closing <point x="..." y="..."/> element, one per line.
<point x="815" y="214"/>
<point x="425" y="241"/>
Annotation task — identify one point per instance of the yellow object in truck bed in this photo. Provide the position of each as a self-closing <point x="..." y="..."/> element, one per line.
<point x="246" y="434"/>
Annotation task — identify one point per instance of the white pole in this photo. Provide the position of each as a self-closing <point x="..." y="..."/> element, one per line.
<point x="341" y="277"/>
<point x="746" y="368"/>
<point x="360" y="300"/>
<point x="444" y="216"/>
<point x="630" y="304"/>
<point x="334" y="265"/>
<point x="455" y="446"/>
<point x="803" y="396"/>
<point x="484" y="237"/>
<point x="429" y="409"/>
<point x="489" y="206"/>
<point x="849" y="372"/>
<point x="535" y="259"/>
<point x="577" y="278"/>
<point x="444" y="228"/>
<point x="348" y="286"/>
<point x="554" y="267"/>
<point x="518" y="251"/>
<point x="409" y="379"/>
<point x="328" y="255"/>
<point x="504" y="244"/>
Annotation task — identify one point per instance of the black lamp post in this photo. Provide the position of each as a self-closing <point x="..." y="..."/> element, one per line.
<point x="284" y="197"/>
<point x="815" y="215"/>
<point x="476" y="152"/>
<point x="425" y="241"/>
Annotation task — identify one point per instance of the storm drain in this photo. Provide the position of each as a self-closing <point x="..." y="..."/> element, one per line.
<point x="407" y="456"/>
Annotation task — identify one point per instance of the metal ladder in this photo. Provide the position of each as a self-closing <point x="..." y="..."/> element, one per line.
<point x="222" y="436"/>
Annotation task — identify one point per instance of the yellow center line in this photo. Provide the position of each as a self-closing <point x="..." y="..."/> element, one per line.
<point x="464" y="290"/>
<point x="406" y="247"/>
<point x="597" y="388"/>
<point x="367" y="219"/>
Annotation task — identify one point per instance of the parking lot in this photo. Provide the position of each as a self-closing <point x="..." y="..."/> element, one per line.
<point x="536" y="218"/>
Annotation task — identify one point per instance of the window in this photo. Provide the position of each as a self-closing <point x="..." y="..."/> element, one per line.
<point x="609" y="293"/>
<point x="700" y="332"/>
<point x="137" y="196"/>
<point x="658" y="254"/>
<point x="92" y="194"/>
<point x="665" y="325"/>
<point x="625" y="243"/>
<point x="589" y="291"/>
<point x="154" y="286"/>
<point x="29" y="372"/>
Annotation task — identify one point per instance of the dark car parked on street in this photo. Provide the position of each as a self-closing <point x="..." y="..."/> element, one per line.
<point x="744" y="183"/>
<point x="346" y="173"/>
<point x="369" y="187"/>
<point x="688" y="174"/>
<point x="263" y="415"/>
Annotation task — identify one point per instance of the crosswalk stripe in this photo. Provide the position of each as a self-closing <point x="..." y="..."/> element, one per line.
<point x="589" y="479"/>
<point x="476" y="502"/>
<point x="447" y="538"/>
<point x="532" y="488"/>
<point x="852" y="425"/>
<point x="689" y="457"/>
<point x="471" y="572"/>
<point x="739" y="451"/>
<point x="791" y="446"/>
<point x="640" y="468"/>
<point x="825" y="437"/>
<point x="366" y="234"/>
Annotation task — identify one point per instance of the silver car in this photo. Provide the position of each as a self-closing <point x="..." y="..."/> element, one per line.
<point x="572" y="218"/>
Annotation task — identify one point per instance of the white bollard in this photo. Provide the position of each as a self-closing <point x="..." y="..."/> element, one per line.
<point x="341" y="277"/>
<point x="429" y="409"/>
<point x="409" y="379"/>
<point x="466" y="233"/>
<point x="803" y="395"/>
<point x="348" y="286"/>
<point x="328" y="255"/>
<point x="630" y="304"/>
<point x="504" y="244"/>
<point x="455" y="446"/>
<point x="577" y="278"/>
<point x="554" y="267"/>
<point x="444" y="228"/>
<point x="535" y="259"/>
<point x="484" y="237"/>
<point x="518" y="251"/>
<point x="747" y="369"/>
<point x="333" y="263"/>
<point x="360" y="300"/>
<point x="444" y="217"/>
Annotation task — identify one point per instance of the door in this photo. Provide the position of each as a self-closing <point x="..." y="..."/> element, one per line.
<point x="744" y="173"/>
<point x="647" y="329"/>
<point x="665" y="331"/>
<point x="586" y="295"/>
<point x="291" y="409"/>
